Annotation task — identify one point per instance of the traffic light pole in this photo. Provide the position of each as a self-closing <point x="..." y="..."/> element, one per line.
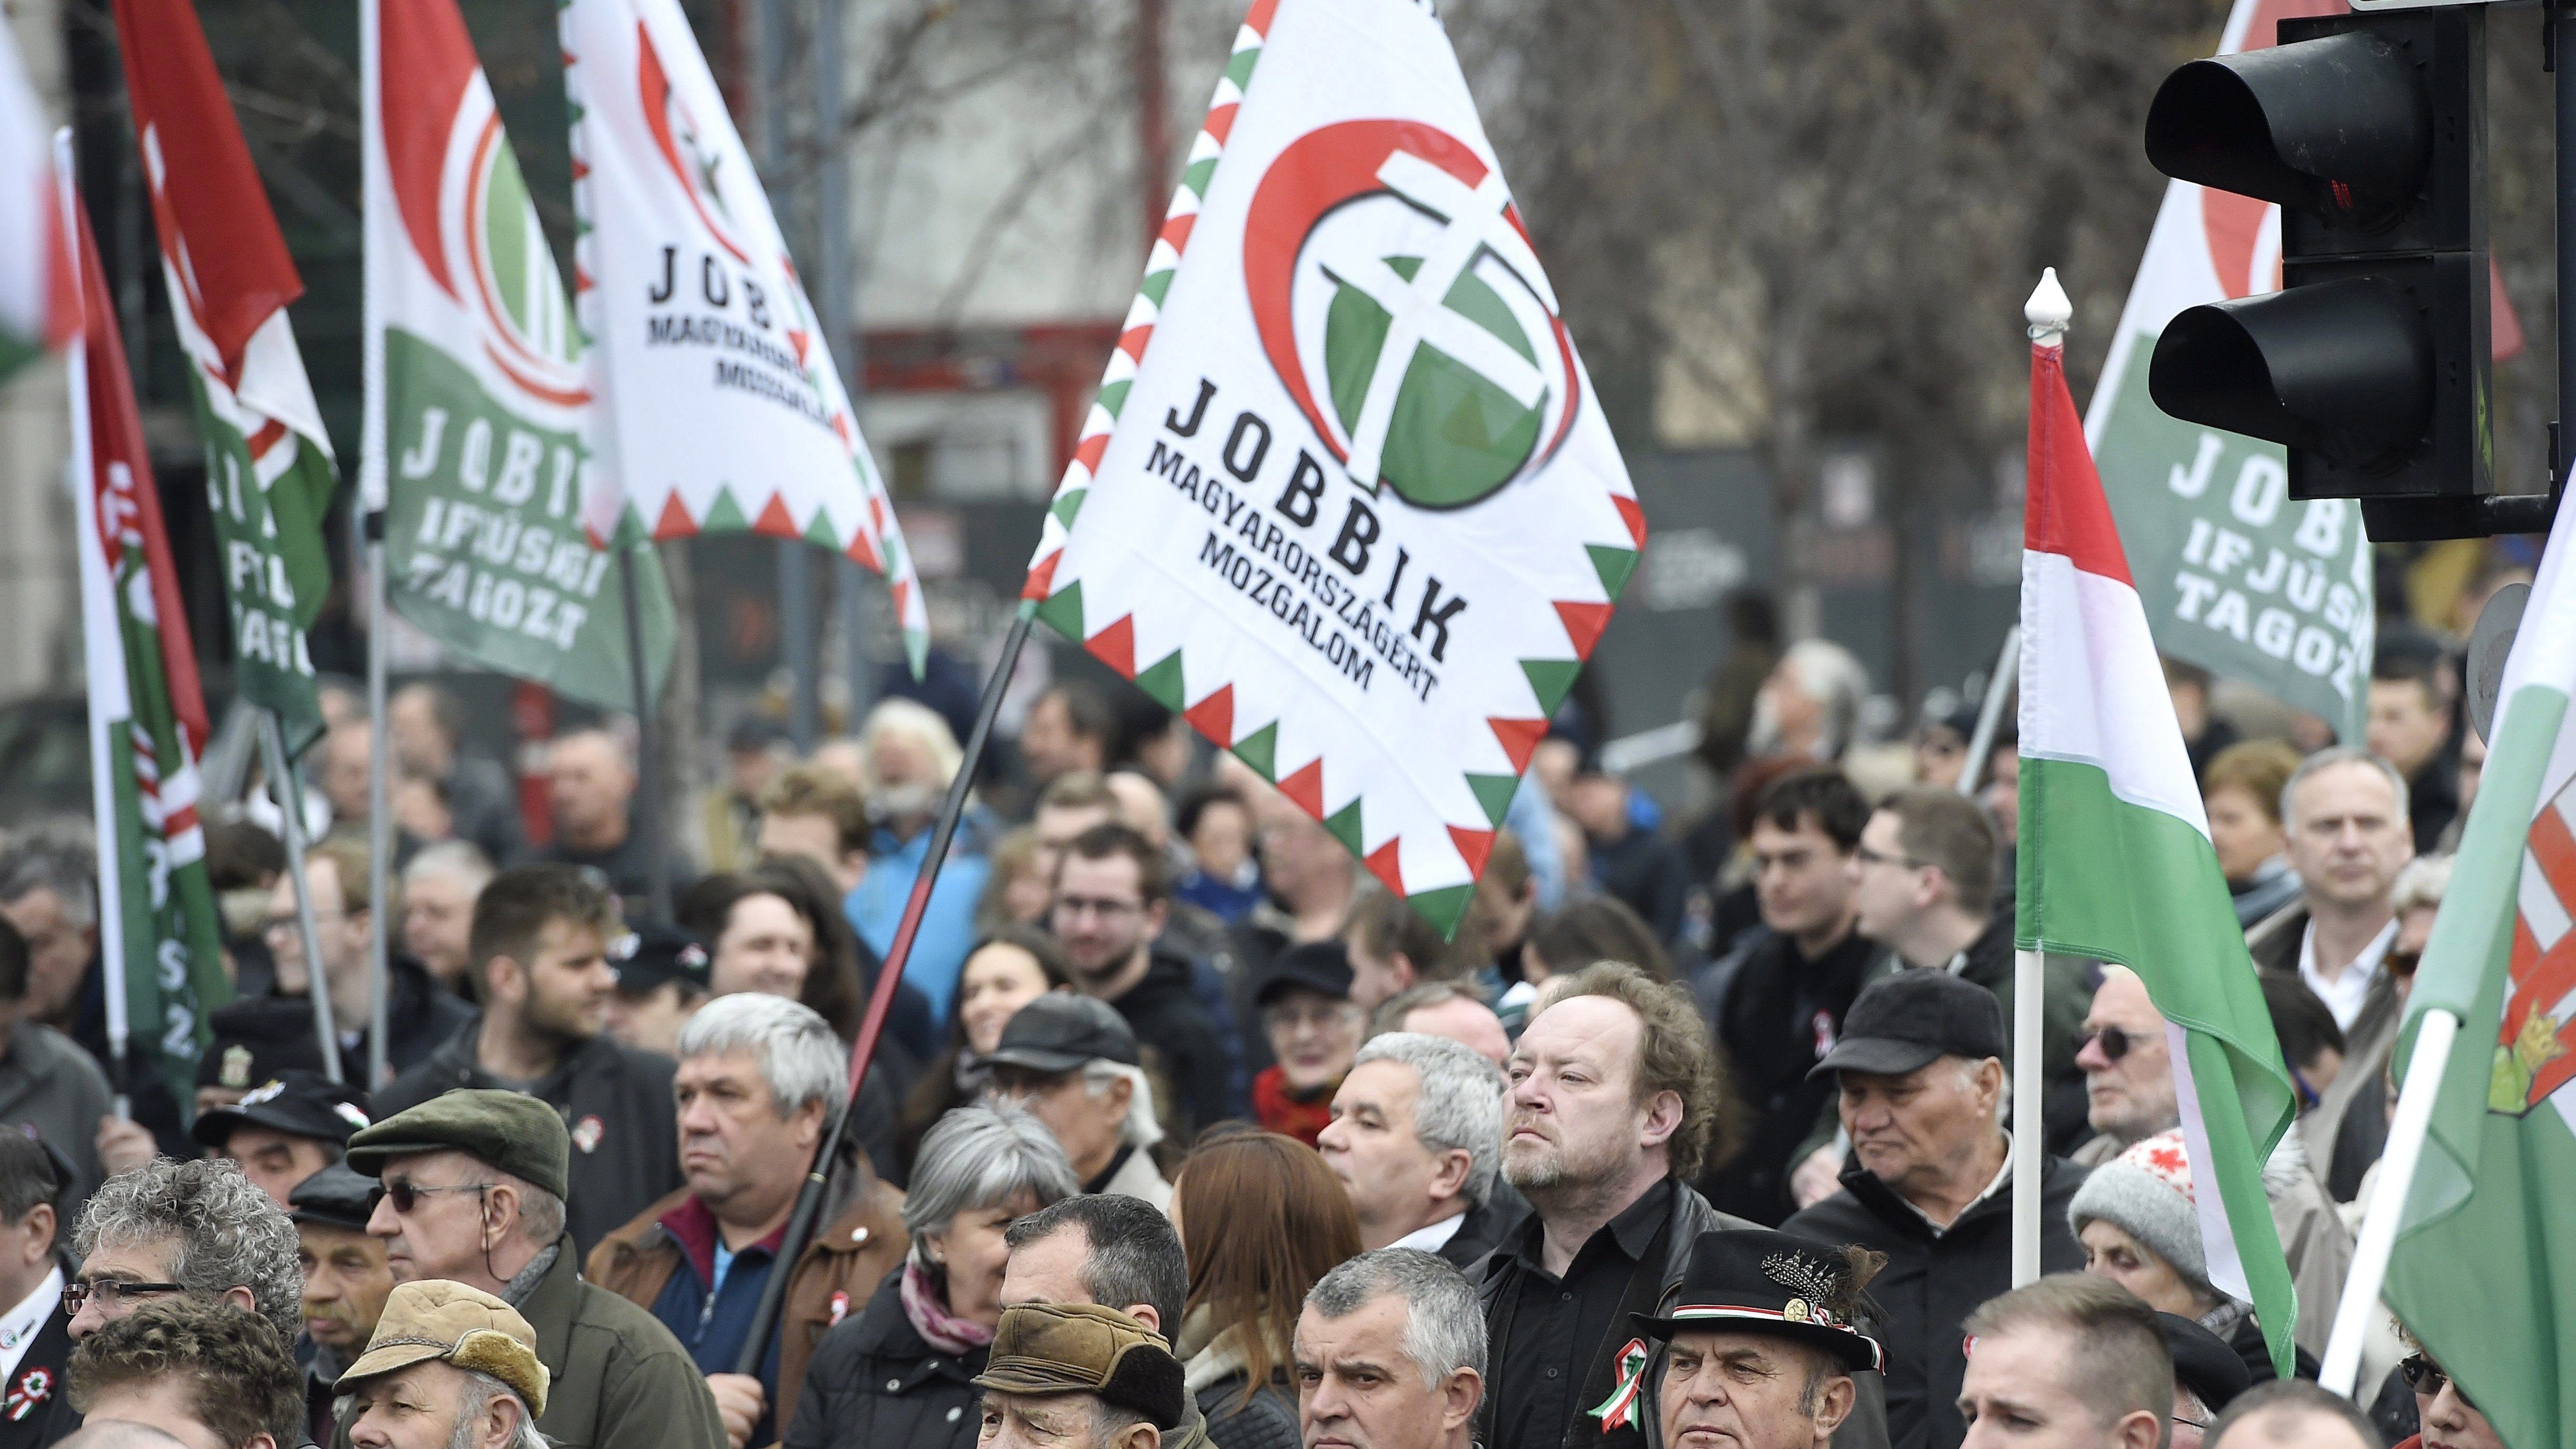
<point x="2560" y="18"/>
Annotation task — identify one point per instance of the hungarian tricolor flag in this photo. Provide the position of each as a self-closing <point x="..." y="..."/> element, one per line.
<point x="2480" y="1271"/>
<point x="2115" y="862"/>
<point x="268" y="462"/>
<point x="37" y="306"/>
<point x="158" y="935"/>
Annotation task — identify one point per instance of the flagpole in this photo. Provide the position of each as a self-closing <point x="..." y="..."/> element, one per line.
<point x="1990" y="712"/>
<point x="2397" y="1163"/>
<point x="380" y="832"/>
<point x="648" y="821"/>
<point x="802" y="1224"/>
<point x="290" y="809"/>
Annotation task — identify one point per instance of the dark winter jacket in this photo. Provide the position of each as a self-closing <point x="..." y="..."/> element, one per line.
<point x="35" y="1408"/>
<point x="1933" y="1280"/>
<point x="2066" y="996"/>
<point x="875" y="1382"/>
<point x="1168" y="1013"/>
<point x="1267" y="1421"/>
<point x="616" y="1103"/>
<point x="1776" y="1013"/>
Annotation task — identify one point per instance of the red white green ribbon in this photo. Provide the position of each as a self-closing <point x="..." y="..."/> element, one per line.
<point x="1619" y="1409"/>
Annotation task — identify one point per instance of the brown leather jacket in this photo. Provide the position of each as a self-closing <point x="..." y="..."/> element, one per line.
<point x="834" y="1276"/>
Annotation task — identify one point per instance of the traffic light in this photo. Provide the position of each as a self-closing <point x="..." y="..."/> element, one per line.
<point x="2370" y="364"/>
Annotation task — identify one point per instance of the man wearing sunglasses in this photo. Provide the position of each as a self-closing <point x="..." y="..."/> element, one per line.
<point x="473" y="1193"/>
<point x="195" y="1229"/>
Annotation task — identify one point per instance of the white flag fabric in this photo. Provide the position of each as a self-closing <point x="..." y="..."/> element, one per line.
<point x="1347" y="499"/>
<point x="721" y="409"/>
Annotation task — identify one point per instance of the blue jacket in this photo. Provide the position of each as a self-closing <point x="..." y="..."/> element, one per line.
<point x="947" y="926"/>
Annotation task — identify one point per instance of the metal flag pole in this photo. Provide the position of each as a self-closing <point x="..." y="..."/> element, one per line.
<point x="648" y="772"/>
<point x="370" y="529"/>
<point x="290" y="809"/>
<point x="1990" y="712"/>
<point x="803" y="1223"/>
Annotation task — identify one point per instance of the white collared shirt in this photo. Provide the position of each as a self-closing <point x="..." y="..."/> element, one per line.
<point x="2003" y="1176"/>
<point x="2343" y="995"/>
<point x="1433" y="1238"/>
<point x="21" y="1325"/>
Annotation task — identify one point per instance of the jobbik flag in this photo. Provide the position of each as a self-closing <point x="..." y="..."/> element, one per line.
<point x="1347" y="500"/>
<point x="159" y="939"/>
<point x="719" y="406"/>
<point x="37" y="306"/>
<point x="2114" y="855"/>
<point x="269" y="472"/>
<point x="2235" y="575"/>
<point x="2480" y="1271"/>
<point x="477" y="393"/>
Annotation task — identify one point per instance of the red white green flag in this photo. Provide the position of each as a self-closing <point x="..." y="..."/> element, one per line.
<point x="159" y="941"/>
<point x="477" y="391"/>
<point x="2114" y="855"/>
<point x="1346" y="499"/>
<point x="719" y="406"/>
<point x="269" y="473"/>
<point x="38" y="308"/>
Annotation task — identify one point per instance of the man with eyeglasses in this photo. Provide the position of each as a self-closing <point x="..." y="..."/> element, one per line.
<point x="1925" y="880"/>
<point x="419" y="1014"/>
<point x="200" y="1229"/>
<point x="1314" y="1031"/>
<point x="1112" y="895"/>
<point x="473" y="1193"/>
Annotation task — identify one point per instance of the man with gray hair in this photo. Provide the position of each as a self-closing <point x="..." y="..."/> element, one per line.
<point x="1416" y="1139"/>
<point x="449" y="1367"/>
<point x="761" y="1082"/>
<point x="2344" y="811"/>
<point x="195" y="1228"/>
<point x="1073" y="1062"/>
<point x="1390" y="1354"/>
<point x="474" y="1194"/>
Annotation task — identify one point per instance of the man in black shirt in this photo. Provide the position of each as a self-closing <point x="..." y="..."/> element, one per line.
<point x="1776" y="1001"/>
<point x="1113" y="892"/>
<point x="590" y="783"/>
<point x="1612" y="1100"/>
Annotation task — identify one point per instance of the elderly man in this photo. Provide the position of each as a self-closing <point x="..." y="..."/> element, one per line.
<point x="284" y="1130"/>
<point x="1416" y="1139"/>
<point x="2345" y="812"/>
<point x="1921" y="1080"/>
<point x="207" y="1374"/>
<point x="346" y="1281"/>
<point x="911" y="758"/>
<point x="450" y="1367"/>
<point x="34" y="1342"/>
<point x="197" y="1229"/>
<point x="1390" y="1354"/>
<point x="1924" y="882"/>
<point x="1758" y="1345"/>
<point x="1612" y="1104"/>
<point x="419" y="1013"/>
<point x="474" y="1193"/>
<point x="2069" y="1362"/>
<point x="590" y="780"/>
<point x="439" y="887"/>
<point x="1079" y="1376"/>
<point x="1073" y="1062"/>
<point x="761" y="1081"/>
<point x="1449" y="1009"/>
<point x="540" y="947"/>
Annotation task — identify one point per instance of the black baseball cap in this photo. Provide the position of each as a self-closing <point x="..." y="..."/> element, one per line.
<point x="335" y="1197"/>
<point x="1322" y="967"/>
<point x="2203" y="1362"/>
<point x="296" y="1102"/>
<point x="1905" y="1022"/>
<point x="655" y="954"/>
<point x="1060" y="1031"/>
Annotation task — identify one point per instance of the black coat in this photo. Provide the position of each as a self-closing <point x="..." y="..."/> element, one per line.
<point x="1165" y="1011"/>
<point x="36" y="1409"/>
<point x="1933" y="1281"/>
<point x="874" y="1382"/>
<point x="1269" y="1421"/>
<point x="615" y="1101"/>
<point x="1481" y="1231"/>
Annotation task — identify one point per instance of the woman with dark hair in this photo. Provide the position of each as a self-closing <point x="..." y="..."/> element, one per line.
<point x="1271" y="1220"/>
<point x="1009" y="968"/>
<point x="779" y="928"/>
<point x="1591" y="930"/>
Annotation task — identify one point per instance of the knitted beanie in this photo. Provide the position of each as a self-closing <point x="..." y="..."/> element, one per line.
<point x="2146" y="1193"/>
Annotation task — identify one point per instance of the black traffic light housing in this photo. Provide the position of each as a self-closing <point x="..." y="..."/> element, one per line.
<point x="2371" y="363"/>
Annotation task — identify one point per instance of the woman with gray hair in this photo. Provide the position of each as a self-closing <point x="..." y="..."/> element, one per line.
<point x="900" y="1371"/>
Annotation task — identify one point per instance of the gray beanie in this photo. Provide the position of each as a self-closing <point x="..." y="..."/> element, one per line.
<point x="2146" y="1193"/>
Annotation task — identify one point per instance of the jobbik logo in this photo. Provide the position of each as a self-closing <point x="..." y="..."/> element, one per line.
<point x="1397" y="297"/>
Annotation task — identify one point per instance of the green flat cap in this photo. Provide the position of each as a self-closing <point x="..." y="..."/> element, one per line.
<point x="518" y="1134"/>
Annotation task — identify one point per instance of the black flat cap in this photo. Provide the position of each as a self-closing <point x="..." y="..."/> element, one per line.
<point x="2203" y="1362"/>
<point x="654" y="954"/>
<point x="296" y="1102"/>
<point x="1060" y="1031"/>
<point x="1905" y="1022"/>
<point x="335" y="1197"/>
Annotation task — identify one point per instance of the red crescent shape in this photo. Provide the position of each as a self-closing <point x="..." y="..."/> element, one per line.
<point x="474" y="220"/>
<point x="654" y="88"/>
<point x="426" y="65"/>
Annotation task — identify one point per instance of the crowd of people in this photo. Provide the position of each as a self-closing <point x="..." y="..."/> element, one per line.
<point x="1183" y="1132"/>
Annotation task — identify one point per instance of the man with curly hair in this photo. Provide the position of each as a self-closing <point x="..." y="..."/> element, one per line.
<point x="198" y="1230"/>
<point x="209" y="1374"/>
